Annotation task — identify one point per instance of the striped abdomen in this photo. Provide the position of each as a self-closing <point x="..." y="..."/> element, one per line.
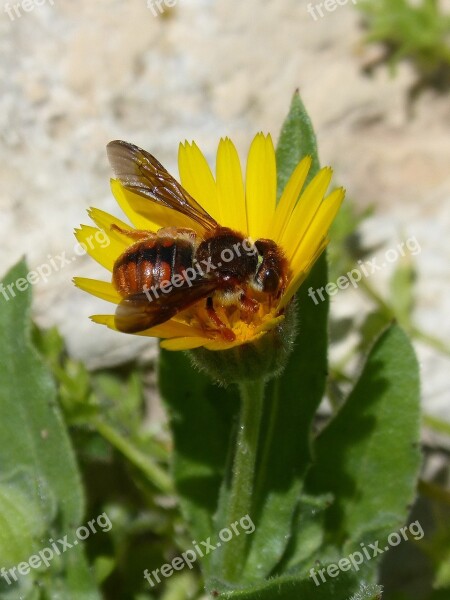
<point x="151" y="262"/>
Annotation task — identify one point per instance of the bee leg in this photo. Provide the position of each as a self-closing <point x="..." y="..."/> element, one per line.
<point x="175" y="232"/>
<point x="248" y="307"/>
<point x="224" y="331"/>
<point x="135" y="234"/>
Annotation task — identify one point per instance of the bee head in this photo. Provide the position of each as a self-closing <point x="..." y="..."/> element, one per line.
<point x="270" y="277"/>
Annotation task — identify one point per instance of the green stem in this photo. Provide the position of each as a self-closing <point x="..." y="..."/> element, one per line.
<point x="243" y="479"/>
<point x="417" y="333"/>
<point x="435" y="492"/>
<point x="375" y="296"/>
<point x="182" y="587"/>
<point x="437" y="424"/>
<point x="157" y="476"/>
<point x="432" y="341"/>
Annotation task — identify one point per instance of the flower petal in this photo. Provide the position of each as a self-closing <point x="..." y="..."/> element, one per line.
<point x="318" y="230"/>
<point x="230" y="187"/>
<point x="301" y="275"/>
<point x="104" y="220"/>
<point x="184" y="343"/>
<point x="313" y="243"/>
<point x="169" y="329"/>
<point x="196" y="177"/>
<point x="102" y="289"/>
<point x="220" y="344"/>
<point x="127" y="202"/>
<point x="290" y="196"/>
<point x="146" y="214"/>
<point x="270" y="323"/>
<point x="261" y="187"/>
<point x="304" y="212"/>
<point x="93" y="240"/>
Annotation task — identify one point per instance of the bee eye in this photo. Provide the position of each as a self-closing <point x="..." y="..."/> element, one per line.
<point x="270" y="280"/>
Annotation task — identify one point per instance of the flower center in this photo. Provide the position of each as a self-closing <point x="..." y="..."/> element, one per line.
<point x="238" y="322"/>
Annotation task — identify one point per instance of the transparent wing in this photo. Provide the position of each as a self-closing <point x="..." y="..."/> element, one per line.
<point x="140" y="172"/>
<point x="139" y="312"/>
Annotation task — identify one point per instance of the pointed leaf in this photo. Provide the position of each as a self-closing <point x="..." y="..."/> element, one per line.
<point x="297" y="139"/>
<point x="368" y="457"/>
<point x="291" y="588"/>
<point x="40" y="488"/>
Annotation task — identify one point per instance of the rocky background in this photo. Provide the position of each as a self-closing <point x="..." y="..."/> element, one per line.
<point x="76" y="75"/>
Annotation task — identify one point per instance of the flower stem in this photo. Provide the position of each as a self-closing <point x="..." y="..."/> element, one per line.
<point x="243" y="479"/>
<point x="157" y="476"/>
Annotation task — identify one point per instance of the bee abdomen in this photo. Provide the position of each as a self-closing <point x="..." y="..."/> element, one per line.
<point x="149" y="263"/>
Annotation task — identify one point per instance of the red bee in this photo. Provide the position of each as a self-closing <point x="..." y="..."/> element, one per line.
<point x="166" y="272"/>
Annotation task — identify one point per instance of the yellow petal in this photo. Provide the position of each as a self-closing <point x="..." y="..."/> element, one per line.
<point x="313" y="243"/>
<point x="128" y="202"/>
<point x="290" y="196"/>
<point x="184" y="343"/>
<point x="317" y="231"/>
<point x="270" y="323"/>
<point x="196" y="177"/>
<point x="147" y="215"/>
<point x="98" y="244"/>
<point x="104" y="220"/>
<point x="230" y="187"/>
<point x="220" y="344"/>
<point x="261" y="187"/>
<point x="301" y="275"/>
<point x="169" y="329"/>
<point x="102" y="289"/>
<point x="305" y="211"/>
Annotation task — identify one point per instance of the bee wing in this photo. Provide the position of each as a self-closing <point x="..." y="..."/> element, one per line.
<point x="140" y="172"/>
<point x="137" y="312"/>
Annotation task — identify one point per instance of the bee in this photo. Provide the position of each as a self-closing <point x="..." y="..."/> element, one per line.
<point x="164" y="273"/>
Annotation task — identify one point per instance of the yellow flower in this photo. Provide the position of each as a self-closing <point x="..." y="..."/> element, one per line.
<point x="298" y="224"/>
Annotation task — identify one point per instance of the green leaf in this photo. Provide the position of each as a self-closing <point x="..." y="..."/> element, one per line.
<point x="297" y="139"/>
<point x="402" y="292"/>
<point x="368" y="592"/>
<point x="309" y="519"/>
<point x="440" y="594"/>
<point x="202" y="416"/>
<point x="442" y="577"/>
<point x="368" y="457"/>
<point x="40" y="488"/>
<point x="292" y="399"/>
<point x="294" y="588"/>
